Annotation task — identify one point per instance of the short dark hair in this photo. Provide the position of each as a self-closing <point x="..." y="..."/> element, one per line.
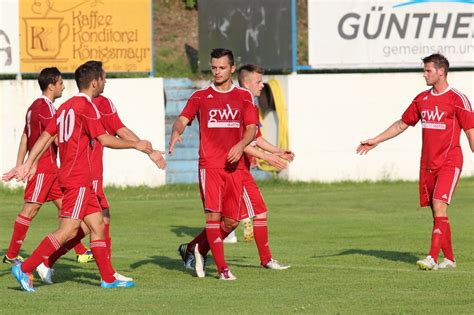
<point x="246" y="69"/>
<point x="439" y="62"/>
<point x="221" y="52"/>
<point x="48" y="76"/>
<point x="98" y="65"/>
<point x="85" y="74"/>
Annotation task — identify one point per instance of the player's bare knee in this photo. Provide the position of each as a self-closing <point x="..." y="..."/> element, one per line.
<point x="231" y="224"/>
<point x="30" y="210"/>
<point x="440" y="208"/>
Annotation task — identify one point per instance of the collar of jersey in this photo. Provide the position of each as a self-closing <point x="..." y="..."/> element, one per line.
<point x="215" y="89"/>
<point x="434" y="94"/>
<point x="46" y="99"/>
<point x="85" y="95"/>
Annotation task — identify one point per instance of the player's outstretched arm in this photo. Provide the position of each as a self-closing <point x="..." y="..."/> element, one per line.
<point x="178" y="129"/>
<point x="156" y="156"/>
<point x="394" y="130"/>
<point x="235" y="153"/>
<point x="267" y="146"/>
<point x="114" y="143"/>
<point x="271" y="158"/>
<point x="22" y="172"/>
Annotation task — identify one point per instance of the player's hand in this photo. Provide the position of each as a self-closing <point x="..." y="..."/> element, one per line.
<point x="365" y="146"/>
<point x="287" y="155"/>
<point x="8" y="176"/>
<point x="157" y="157"/>
<point x="22" y="172"/>
<point x="276" y="161"/>
<point x="144" y="146"/>
<point x="235" y="153"/>
<point x="31" y="172"/>
<point x="175" y="137"/>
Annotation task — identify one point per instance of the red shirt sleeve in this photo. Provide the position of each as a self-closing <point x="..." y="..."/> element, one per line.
<point x="191" y="109"/>
<point x="92" y="123"/>
<point x="250" y="113"/>
<point x="464" y="113"/>
<point x="108" y="115"/>
<point x="51" y="127"/>
<point x="411" y="115"/>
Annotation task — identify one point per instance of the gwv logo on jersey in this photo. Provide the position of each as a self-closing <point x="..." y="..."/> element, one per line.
<point x="431" y="119"/>
<point x="223" y="118"/>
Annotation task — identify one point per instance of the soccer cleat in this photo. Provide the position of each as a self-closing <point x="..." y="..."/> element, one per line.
<point x="275" y="265"/>
<point x="231" y="238"/>
<point x="120" y="277"/>
<point x="186" y="256"/>
<point x="15" y="261"/>
<point x="447" y="263"/>
<point x="45" y="273"/>
<point x="200" y="262"/>
<point x="427" y="263"/>
<point x="86" y="257"/>
<point x="226" y="275"/>
<point x="24" y="279"/>
<point x="116" y="284"/>
<point x="248" y="230"/>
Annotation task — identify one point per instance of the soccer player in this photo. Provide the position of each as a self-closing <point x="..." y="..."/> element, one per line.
<point x="113" y="125"/>
<point x="253" y="206"/>
<point x="43" y="186"/>
<point x="227" y="124"/>
<point x="76" y="123"/>
<point x="443" y="112"/>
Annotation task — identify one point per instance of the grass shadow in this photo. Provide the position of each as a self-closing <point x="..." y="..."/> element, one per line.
<point x="404" y="257"/>
<point x="181" y="230"/>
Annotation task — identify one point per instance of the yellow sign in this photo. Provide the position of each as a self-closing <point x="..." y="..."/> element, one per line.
<point x="67" y="33"/>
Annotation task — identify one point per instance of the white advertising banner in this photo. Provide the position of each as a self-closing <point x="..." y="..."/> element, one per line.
<point x="358" y="34"/>
<point x="9" y="37"/>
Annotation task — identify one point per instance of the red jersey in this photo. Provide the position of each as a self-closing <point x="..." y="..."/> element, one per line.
<point x="111" y="122"/>
<point x="223" y="118"/>
<point x="76" y="123"/>
<point x="38" y="116"/>
<point x="442" y="118"/>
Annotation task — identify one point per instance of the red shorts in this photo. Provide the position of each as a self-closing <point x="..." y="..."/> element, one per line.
<point x="41" y="188"/>
<point x="221" y="191"/>
<point x="253" y="203"/>
<point x="97" y="185"/>
<point x="79" y="202"/>
<point x="438" y="184"/>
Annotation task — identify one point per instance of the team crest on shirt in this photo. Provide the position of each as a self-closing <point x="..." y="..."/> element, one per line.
<point x="433" y="119"/>
<point x="223" y="118"/>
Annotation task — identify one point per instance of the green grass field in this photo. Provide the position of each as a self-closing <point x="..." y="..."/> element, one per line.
<point x="352" y="247"/>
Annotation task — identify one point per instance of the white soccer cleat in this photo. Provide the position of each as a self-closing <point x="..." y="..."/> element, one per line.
<point x="276" y="265"/>
<point x="226" y="275"/>
<point x="199" y="263"/>
<point x="428" y="263"/>
<point x="120" y="277"/>
<point x="447" y="263"/>
<point x="45" y="273"/>
<point x="248" y="230"/>
<point x="231" y="238"/>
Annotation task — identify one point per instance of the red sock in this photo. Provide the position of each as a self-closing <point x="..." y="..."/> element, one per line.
<point x="447" y="246"/>
<point x="20" y="228"/>
<point x="260" y="232"/>
<point x="439" y="231"/>
<point x="215" y="242"/>
<point x="201" y="239"/>
<point x="45" y="249"/>
<point x="99" y="249"/>
<point x="204" y="244"/>
<point x="72" y="243"/>
<point x="80" y="249"/>
<point x="108" y="239"/>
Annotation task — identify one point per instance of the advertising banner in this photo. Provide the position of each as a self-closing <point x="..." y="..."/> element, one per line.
<point x="346" y="34"/>
<point x="9" y="37"/>
<point x="68" y="33"/>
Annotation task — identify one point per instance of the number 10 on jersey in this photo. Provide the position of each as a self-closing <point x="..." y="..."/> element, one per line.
<point x="66" y="125"/>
